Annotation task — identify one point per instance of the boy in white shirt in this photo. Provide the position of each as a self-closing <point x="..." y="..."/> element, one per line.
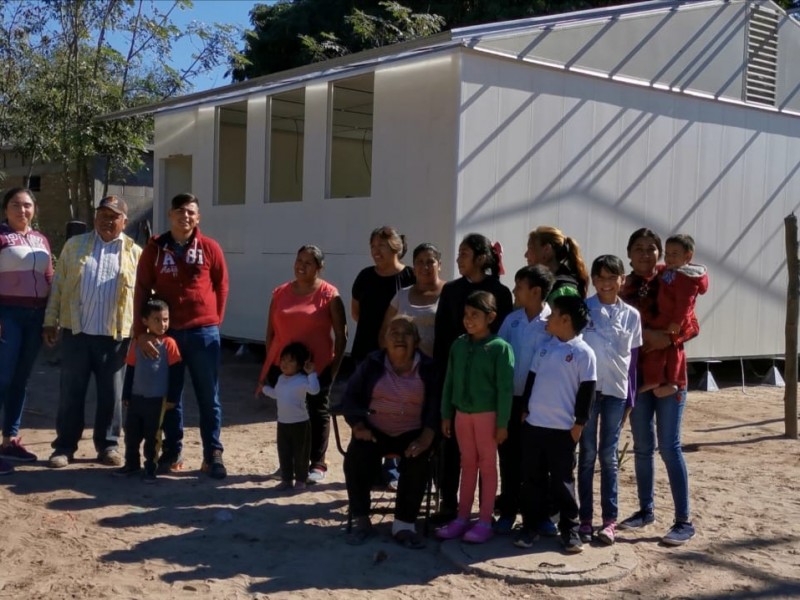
<point x="613" y="332"/>
<point x="524" y="330"/>
<point x="560" y="388"/>
<point x="294" y="429"/>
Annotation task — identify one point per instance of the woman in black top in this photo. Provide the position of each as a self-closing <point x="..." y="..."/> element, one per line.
<point x="479" y="266"/>
<point x="375" y="287"/>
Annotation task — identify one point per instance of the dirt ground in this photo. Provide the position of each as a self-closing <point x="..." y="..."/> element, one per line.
<point x="78" y="532"/>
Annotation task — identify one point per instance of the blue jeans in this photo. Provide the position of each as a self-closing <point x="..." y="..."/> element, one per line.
<point x="201" y="353"/>
<point x="20" y="340"/>
<point x="608" y="411"/>
<point x="660" y="418"/>
<point x="83" y="356"/>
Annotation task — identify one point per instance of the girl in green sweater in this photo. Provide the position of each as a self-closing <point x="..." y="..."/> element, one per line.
<point x="477" y="391"/>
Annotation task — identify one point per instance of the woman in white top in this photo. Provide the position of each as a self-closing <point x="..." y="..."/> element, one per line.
<point x="419" y="301"/>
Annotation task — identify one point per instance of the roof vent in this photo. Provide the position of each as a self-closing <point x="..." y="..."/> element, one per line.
<point x="761" y="78"/>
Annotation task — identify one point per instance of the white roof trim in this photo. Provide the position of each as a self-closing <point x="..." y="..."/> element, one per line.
<point x="582" y="17"/>
<point x="465" y="37"/>
<point x="625" y="79"/>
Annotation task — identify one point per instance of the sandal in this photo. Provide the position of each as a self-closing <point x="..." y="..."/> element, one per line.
<point x="410" y="539"/>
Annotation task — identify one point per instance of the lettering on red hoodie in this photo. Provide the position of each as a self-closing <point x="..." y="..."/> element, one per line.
<point x="193" y="282"/>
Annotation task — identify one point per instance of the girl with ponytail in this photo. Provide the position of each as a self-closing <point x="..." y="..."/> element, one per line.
<point x="548" y="246"/>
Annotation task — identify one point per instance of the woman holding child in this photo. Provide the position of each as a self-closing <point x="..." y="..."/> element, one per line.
<point x="656" y="418"/>
<point x="306" y="310"/>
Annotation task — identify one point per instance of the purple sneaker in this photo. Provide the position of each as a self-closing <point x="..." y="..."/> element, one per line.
<point x="16" y="451"/>
<point x="479" y="533"/>
<point x="5" y="467"/>
<point x="454" y="529"/>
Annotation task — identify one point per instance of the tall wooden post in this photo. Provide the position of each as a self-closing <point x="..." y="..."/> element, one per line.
<point x="792" y="306"/>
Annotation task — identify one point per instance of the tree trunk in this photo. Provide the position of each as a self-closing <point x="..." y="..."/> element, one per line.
<point x="792" y="305"/>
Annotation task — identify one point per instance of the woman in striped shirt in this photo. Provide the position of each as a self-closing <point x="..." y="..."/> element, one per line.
<point x="26" y="271"/>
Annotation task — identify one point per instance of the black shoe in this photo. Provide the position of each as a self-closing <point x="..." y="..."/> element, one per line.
<point x="127" y="470"/>
<point x="525" y="538"/>
<point x="215" y="467"/>
<point x="149" y="474"/>
<point x="572" y="541"/>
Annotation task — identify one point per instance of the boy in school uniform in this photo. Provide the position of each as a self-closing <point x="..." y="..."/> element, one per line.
<point x="560" y="389"/>
<point x="524" y="330"/>
<point x="152" y="386"/>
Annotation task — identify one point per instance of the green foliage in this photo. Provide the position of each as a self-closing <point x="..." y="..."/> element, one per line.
<point x="293" y="33"/>
<point x="61" y="72"/>
<point x="395" y="23"/>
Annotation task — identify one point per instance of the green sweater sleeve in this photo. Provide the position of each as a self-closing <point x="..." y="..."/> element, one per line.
<point x="504" y="370"/>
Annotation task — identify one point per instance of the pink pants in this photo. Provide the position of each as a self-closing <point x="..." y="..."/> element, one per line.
<point x="475" y="434"/>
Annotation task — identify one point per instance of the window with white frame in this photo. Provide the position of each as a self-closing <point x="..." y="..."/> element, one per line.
<point x="351" y="108"/>
<point x="231" y="153"/>
<point x="286" y="142"/>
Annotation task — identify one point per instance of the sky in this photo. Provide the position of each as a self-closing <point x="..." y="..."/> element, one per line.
<point x="234" y="12"/>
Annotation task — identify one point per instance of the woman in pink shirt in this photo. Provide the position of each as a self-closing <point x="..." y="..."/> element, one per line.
<point x="26" y="271"/>
<point x="307" y="310"/>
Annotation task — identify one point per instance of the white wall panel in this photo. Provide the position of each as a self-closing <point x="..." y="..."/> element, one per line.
<point x="609" y="158"/>
<point x="413" y="186"/>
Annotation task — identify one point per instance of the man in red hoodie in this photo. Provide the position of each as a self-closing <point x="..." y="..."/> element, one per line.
<point x="188" y="271"/>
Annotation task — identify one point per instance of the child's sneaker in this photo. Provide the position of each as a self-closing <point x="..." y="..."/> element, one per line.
<point x="16" y="451"/>
<point x="316" y="475"/>
<point x="454" y="529"/>
<point x="637" y="520"/>
<point x="283" y="486"/>
<point x="6" y="468"/>
<point x="572" y="541"/>
<point x="149" y="474"/>
<point x="525" y="538"/>
<point x="608" y="533"/>
<point x="503" y="526"/>
<point x="127" y="470"/>
<point x="547" y="528"/>
<point x="679" y="534"/>
<point x="585" y="532"/>
<point x="479" y="533"/>
<point x="169" y="463"/>
<point x="300" y="485"/>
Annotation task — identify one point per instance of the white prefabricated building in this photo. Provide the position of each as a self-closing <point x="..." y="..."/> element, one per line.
<point x="678" y="116"/>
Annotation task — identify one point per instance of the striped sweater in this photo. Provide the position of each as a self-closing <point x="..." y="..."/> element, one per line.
<point x="26" y="269"/>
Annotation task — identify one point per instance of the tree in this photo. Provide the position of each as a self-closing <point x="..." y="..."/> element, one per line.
<point x="61" y="71"/>
<point x="397" y="24"/>
<point x="293" y="33"/>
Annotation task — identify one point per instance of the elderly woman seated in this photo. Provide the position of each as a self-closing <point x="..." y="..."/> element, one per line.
<point x="392" y="403"/>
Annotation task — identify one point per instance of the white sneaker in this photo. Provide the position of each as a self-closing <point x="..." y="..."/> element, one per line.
<point x="316" y="475"/>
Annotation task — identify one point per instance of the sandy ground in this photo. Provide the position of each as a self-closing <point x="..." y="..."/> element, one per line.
<point x="81" y="533"/>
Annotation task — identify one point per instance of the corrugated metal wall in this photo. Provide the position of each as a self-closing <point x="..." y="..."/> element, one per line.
<point x="599" y="159"/>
